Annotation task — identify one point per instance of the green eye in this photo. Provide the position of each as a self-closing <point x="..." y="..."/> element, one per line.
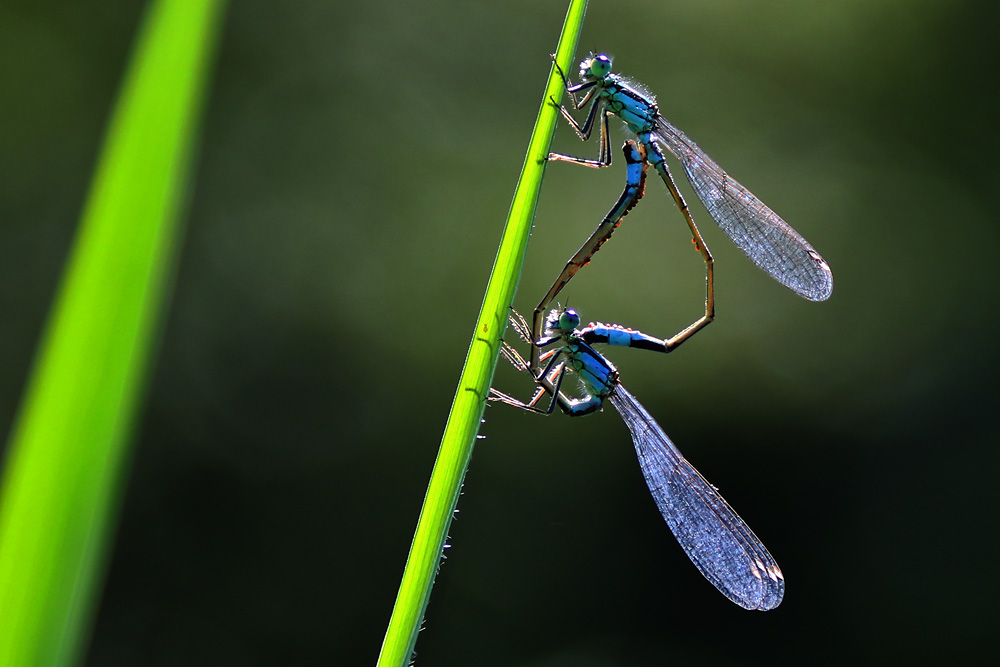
<point x="600" y="67"/>
<point x="569" y="320"/>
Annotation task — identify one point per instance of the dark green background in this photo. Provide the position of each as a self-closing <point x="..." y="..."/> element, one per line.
<point x="357" y="162"/>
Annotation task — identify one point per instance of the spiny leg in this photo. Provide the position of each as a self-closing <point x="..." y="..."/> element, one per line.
<point x="604" y="155"/>
<point x="548" y="383"/>
<point x="573" y="88"/>
<point x="599" y="107"/>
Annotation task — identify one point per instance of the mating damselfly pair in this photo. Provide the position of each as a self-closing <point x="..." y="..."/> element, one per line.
<point x="713" y="536"/>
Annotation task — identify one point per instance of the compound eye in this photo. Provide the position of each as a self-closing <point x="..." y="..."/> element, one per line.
<point x="600" y="66"/>
<point x="569" y="320"/>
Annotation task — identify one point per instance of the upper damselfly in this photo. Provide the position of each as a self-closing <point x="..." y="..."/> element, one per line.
<point x="755" y="229"/>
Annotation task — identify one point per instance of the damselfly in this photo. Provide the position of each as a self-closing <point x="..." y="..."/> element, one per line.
<point x="755" y="229"/>
<point x="713" y="536"/>
<point x="635" y="183"/>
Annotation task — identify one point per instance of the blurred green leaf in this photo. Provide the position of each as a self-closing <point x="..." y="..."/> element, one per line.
<point x="68" y="449"/>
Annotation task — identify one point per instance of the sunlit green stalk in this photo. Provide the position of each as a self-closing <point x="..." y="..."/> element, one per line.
<point x="473" y="386"/>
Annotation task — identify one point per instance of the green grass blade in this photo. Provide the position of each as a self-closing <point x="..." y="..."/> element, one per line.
<point x="68" y="449"/>
<point x="477" y="375"/>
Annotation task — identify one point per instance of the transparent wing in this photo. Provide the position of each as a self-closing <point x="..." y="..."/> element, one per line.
<point x="755" y="229"/>
<point x="714" y="537"/>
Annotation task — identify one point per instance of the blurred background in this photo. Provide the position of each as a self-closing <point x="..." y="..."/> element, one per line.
<point x="356" y="166"/>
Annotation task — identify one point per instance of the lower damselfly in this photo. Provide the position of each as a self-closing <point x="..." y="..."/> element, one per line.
<point x="714" y="537"/>
<point x="755" y="229"/>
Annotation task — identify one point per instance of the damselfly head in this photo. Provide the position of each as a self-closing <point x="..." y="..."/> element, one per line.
<point x="561" y="321"/>
<point x="595" y="67"/>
